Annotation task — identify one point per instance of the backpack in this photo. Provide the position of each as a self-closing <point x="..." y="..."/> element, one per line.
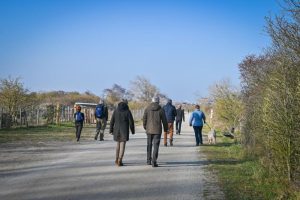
<point x="99" y="111"/>
<point x="78" y="117"/>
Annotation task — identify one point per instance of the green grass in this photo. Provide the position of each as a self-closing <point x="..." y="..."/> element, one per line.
<point x="33" y="135"/>
<point x="242" y="178"/>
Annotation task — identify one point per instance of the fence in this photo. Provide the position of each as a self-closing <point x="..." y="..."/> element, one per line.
<point x="42" y="115"/>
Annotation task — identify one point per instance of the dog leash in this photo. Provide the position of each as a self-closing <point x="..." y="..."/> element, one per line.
<point x="208" y="125"/>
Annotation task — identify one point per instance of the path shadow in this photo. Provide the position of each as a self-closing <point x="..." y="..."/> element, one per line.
<point x="183" y="163"/>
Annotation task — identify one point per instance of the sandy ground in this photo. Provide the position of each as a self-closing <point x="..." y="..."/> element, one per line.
<point x="86" y="170"/>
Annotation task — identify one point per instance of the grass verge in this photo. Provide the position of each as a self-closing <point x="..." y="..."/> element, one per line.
<point x="241" y="177"/>
<point x="33" y="135"/>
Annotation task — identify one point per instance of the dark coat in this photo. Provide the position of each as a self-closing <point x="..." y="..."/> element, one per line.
<point x="120" y="123"/>
<point x="154" y="117"/>
<point x="180" y="115"/>
<point x="170" y="111"/>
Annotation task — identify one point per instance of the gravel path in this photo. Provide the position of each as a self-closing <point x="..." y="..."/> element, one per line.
<point x="87" y="171"/>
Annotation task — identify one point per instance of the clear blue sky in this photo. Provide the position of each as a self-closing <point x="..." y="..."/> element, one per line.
<point x="183" y="47"/>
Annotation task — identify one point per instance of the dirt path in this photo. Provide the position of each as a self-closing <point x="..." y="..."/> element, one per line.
<point x="87" y="171"/>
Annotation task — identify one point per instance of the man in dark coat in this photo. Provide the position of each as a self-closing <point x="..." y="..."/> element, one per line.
<point x="120" y="123"/>
<point x="170" y="111"/>
<point x="179" y="118"/>
<point x="153" y="119"/>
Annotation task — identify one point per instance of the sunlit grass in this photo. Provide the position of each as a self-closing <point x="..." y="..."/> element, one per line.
<point x="242" y="177"/>
<point x="63" y="132"/>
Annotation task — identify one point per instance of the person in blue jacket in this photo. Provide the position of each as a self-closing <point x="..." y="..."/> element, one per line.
<point x="170" y="112"/>
<point x="79" y="119"/>
<point x="197" y="120"/>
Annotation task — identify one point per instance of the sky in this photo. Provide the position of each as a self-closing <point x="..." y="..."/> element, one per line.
<point x="182" y="46"/>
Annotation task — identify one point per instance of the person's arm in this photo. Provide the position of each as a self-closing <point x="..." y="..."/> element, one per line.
<point x="106" y="112"/>
<point x="145" y="119"/>
<point x="204" y="118"/>
<point x="131" y="122"/>
<point x="112" y="123"/>
<point x="191" y="119"/>
<point x="164" y="120"/>
<point x="183" y="118"/>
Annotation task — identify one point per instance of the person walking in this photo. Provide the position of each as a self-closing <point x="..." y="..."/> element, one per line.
<point x="197" y="120"/>
<point x="120" y="123"/>
<point x="179" y="119"/>
<point x="79" y="119"/>
<point x="153" y="119"/>
<point x="170" y="112"/>
<point x="101" y="116"/>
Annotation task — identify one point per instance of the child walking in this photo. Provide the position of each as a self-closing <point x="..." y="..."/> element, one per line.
<point x="79" y="118"/>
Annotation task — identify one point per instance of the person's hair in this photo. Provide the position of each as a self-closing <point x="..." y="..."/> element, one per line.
<point x="78" y="107"/>
<point x="125" y="101"/>
<point x="155" y="99"/>
<point x="197" y="106"/>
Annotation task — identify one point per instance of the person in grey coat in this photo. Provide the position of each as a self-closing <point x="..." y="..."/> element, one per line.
<point x="153" y="119"/>
<point x="120" y="123"/>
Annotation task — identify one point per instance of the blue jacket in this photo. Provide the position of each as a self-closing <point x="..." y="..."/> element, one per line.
<point x="79" y="117"/>
<point x="197" y="118"/>
<point x="170" y="112"/>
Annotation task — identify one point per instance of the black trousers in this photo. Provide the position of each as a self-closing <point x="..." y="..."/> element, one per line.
<point x="178" y="126"/>
<point x="78" y="127"/>
<point x="153" y="140"/>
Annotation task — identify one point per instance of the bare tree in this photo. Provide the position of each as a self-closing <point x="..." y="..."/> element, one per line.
<point x="115" y="94"/>
<point x="143" y="89"/>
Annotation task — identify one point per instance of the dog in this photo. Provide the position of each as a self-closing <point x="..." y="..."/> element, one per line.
<point x="212" y="136"/>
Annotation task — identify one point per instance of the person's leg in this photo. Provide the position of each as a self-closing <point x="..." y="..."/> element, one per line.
<point x="117" y="153"/>
<point x="98" y="127"/>
<point x="200" y="135"/>
<point x="156" y="142"/>
<point x="149" y="148"/>
<point x="165" y="138"/>
<point x="79" y="131"/>
<point x="196" y="130"/>
<point x="122" y="150"/>
<point x="103" y="126"/>
<point x="76" y="130"/>
<point x="171" y="131"/>
<point x="179" y="127"/>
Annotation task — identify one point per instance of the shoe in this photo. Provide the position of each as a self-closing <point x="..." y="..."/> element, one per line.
<point x="154" y="164"/>
<point x="171" y="142"/>
<point x="197" y="144"/>
<point x="116" y="162"/>
<point x="149" y="162"/>
<point x="165" y="145"/>
<point x="120" y="163"/>
<point x="101" y="140"/>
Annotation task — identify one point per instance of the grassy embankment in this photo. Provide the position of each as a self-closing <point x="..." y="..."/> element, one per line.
<point x="33" y="135"/>
<point x="50" y="133"/>
<point x="242" y="177"/>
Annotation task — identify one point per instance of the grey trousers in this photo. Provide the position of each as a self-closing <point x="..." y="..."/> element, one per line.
<point x="153" y="139"/>
<point x="100" y="127"/>
<point x="120" y="150"/>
